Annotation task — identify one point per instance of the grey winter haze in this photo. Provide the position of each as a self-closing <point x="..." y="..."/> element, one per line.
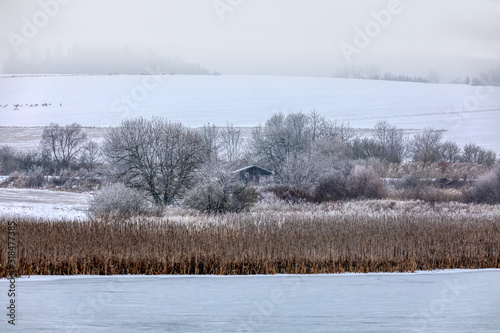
<point x="270" y="37"/>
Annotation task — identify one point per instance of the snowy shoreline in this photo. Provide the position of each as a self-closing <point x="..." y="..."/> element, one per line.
<point x="164" y="276"/>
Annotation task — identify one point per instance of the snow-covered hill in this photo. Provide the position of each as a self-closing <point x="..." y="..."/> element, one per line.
<point x="469" y="114"/>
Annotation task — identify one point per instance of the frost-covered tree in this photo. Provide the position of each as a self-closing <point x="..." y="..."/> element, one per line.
<point x="281" y="137"/>
<point x="298" y="145"/>
<point x="64" y="142"/>
<point x="391" y="141"/>
<point x="473" y="153"/>
<point x="425" y="146"/>
<point x="211" y="138"/>
<point x="231" y="143"/>
<point x="90" y="155"/>
<point x="156" y="156"/>
<point x="365" y="148"/>
<point x="450" y="152"/>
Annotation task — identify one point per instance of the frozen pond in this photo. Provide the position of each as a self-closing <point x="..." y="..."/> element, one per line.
<point x="445" y="301"/>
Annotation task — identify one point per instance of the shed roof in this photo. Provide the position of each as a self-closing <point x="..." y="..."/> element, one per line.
<point x="250" y="167"/>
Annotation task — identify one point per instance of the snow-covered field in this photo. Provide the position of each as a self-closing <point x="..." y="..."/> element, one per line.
<point x="468" y="114"/>
<point x="442" y="301"/>
<point x="28" y="138"/>
<point x="43" y="204"/>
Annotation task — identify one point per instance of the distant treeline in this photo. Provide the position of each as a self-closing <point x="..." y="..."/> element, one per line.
<point x="374" y="74"/>
<point x="392" y="77"/>
<point x="98" y="61"/>
<point x="490" y="78"/>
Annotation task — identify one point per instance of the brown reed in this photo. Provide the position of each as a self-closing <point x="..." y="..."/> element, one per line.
<point x="254" y="243"/>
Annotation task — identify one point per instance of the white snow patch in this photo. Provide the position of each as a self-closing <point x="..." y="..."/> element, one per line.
<point x="43" y="204"/>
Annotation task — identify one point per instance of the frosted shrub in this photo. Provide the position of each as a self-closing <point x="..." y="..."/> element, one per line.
<point x="117" y="200"/>
<point x="34" y="178"/>
<point x="331" y="187"/>
<point x="9" y="161"/>
<point x="486" y="189"/>
<point x="80" y="180"/>
<point x="363" y="182"/>
<point x="410" y="187"/>
<point x="219" y="191"/>
<point x="409" y="182"/>
<point x="290" y="194"/>
<point x="359" y="182"/>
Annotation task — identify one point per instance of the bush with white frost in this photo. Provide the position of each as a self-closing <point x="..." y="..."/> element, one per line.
<point x="486" y="189"/>
<point x="363" y="182"/>
<point x="117" y="200"/>
<point x="331" y="187"/>
<point x="218" y="190"/>
<point x="34" y="178"/>
<point x="409" y="182"/>
<point x="350" y="183"/>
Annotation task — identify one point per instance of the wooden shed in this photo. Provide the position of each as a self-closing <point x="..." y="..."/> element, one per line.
<point x="252" y="173"/>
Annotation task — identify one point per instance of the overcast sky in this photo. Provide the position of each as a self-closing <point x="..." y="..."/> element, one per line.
<point x="275" y="37"/>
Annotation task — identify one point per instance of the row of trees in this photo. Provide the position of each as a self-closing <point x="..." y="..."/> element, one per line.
<point x="61" y="148"/>
<point x="164" y="160"/>
<point x="371" y="72"/>
<point x="299" y="147"/>
<point x="489" y="78"/>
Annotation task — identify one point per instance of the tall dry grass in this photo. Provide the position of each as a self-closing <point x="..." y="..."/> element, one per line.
<point x="374" y="236"/>
<point x="434" y="170"/>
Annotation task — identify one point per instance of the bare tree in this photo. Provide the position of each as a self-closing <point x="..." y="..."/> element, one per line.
<point x="90" y="155"/>
<point x="231" y="143"/>
<point x="425" y="146"/>
<point x="331" y="150"/>
<point x="155" y="156"/>
<point x="487" y="157"/>
<point x="211" y="135"/>
<point x="287" y="142"/>
<point x="9" y="161"/>
<point x="63" y="142"/>
<point x="391" y="142"/>
<point x="319" y="125"/>
<point x="281" y="137"/>
<point x="298" y="130"/>
<point x="365" y="148"/>
<point x="450" y="152"/>
<point x="298" y="171"/>
<point x="473" y="153"/>
<point x="341" y="131"/>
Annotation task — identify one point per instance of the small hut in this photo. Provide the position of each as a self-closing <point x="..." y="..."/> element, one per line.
<point x="252" y="173"/>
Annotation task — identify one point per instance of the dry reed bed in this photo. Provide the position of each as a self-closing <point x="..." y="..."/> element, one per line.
<point x="316" y="239"/>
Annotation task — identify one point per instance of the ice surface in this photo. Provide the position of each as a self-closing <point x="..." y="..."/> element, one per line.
<point x="469" y="114"/>
<point x="443" y="301"/>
